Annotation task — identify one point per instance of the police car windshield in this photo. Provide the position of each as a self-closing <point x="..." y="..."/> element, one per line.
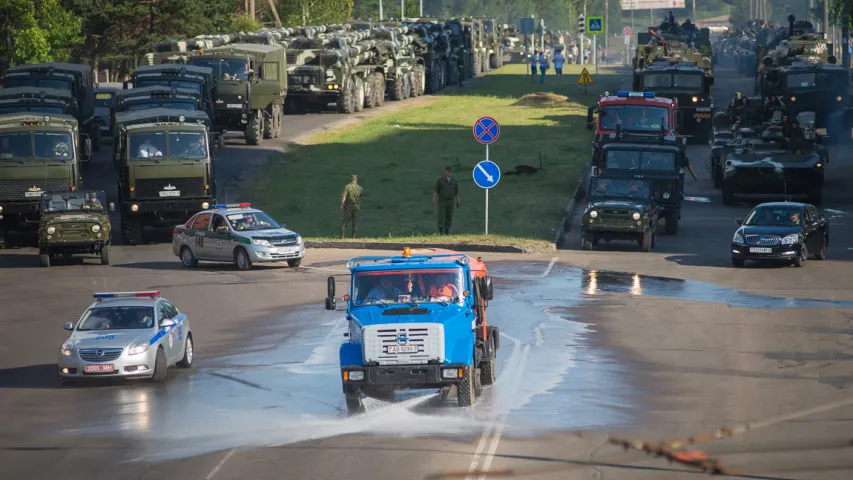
<point x="250" y="221"/>
<point x="640" y="160"/>
<point x="13" y="82"/>
<point x="187" y="145"/>
<point x="117" y="318"/>
<point x="776" y="216"/>
<point x="135" y="107"/>
<point x="33" y="108"/>
<point x="602" y="188"/>
<point x="407" y="286"/>
<point x="72" y="202"/>
<point x="631" y="117"/>
<point x="53" y="145"/>
<point x="161" y="82"/>
<point x="16" y="146"/>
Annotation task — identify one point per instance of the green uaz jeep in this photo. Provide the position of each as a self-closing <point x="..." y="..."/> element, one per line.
<point x="619" y="209"/>
<point x="74" y="222"/>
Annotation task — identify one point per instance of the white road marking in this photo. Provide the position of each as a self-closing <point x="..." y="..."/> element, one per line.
<point x="220" y="464"/>
<point x="550" y="266"/>
<point x="325" y="269"/>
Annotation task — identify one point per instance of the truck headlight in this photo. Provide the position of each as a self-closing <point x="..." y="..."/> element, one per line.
<point x="636" y="216"/>
<point x="666" y="196"/>
<point x="261" y="242"/>
<point x="51" y="230"/>
<point x="450" y="373"/>
<point x="356" y="375"/>
<point x="1" y="208"/>
<point x="695" y="99"/>
<point x="205" y="205"/>
<point x="96" y="228"/>
<point x="66" y="350"/>
<point x="791" y="239"/>
<point x="134" y="208"/>
<point x="593" y="214"/>
<point x="137" y="349"/>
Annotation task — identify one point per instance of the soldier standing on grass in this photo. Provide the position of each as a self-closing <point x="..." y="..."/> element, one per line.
<point x="446" y="191"/>
<point x="351" y="205"/>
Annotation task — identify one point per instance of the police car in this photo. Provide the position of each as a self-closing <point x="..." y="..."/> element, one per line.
<point x="236" y="233"/>
<point x="128" y="335"/>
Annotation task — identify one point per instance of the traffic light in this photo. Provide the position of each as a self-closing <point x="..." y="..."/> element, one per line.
<point x="581" y="24"/>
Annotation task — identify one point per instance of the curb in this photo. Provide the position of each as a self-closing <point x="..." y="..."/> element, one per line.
<point x="461" y="247"/>
<point x="567" y="213"/>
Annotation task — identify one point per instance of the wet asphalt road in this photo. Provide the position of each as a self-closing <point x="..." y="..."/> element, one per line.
<point x="613" y="342"/>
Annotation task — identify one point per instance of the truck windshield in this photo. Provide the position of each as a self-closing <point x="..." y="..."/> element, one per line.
<point x="640" y="160"/>
<point x="117" y="318"/>
<point x="604" y="188"/>
<point x="15" y="146"/>
<point x="691" y="81"/>
<point x="134" y="107"/>
<point x="53" y="145"/>
<point x="165" y="82"/>
<point x="33" y="108"/>
<point x="406" y="286"/>
<point x="817" y="80"/>
<point x="489" y="27"/>
<point x="187" y="145"/>
<point x="37" y="82"/>
<point x="225" y="68"/>
<point x="72" y="202"/>
<point x="634" y="117"/>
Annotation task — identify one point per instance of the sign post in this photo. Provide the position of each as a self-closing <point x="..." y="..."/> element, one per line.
<point x="486" y="173"/>
<point x="585" y="79"/>
<point x="595" y="26"/>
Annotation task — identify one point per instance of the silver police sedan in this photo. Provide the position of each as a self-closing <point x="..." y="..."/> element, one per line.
<point x="236" y="233"/>
<point x="126" y="334"/>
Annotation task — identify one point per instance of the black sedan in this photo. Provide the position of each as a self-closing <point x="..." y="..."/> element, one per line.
<point x="785" y="232"/>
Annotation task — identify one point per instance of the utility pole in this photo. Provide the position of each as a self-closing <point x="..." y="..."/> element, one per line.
<point x="751" y="15"/>
<point x="252" y="10"/>
<point x="422" y="9"/>
<point x="381" y="14"/>
<point x="845" y="41"/>
<point x="825" y="18"/>
<point x="694" y="13"/>
<point x="402" y="9"/>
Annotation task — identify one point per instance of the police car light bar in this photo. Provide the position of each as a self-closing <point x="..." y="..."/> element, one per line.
<point x="233" y="205"/>
<point x="636" y="94"/>
<point x="149" y="294"/>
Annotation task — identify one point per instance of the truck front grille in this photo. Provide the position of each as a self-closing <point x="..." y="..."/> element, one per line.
<point x="428" y="338"/>
<point x="31" y="189"/>
<point x="164" y="188"/>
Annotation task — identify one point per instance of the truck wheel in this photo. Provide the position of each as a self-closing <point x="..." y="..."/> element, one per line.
<point x="407" y="86"/>
<point x="493" y="60"/>
<point x="370" y="92"/>
<point x="397" y="90"/>
<point x="672" y="223"/>
<point x="44" y="258"/>
<point x="487" y="368"/>
<point x="646" y="242"/>
<point x="279" y="118"/>
<point x="380" y="88"/>
<point x="359" y="94"/>
<point x="254" y="129"/>
<point x="105" y="254"/>
<point x="475" y="66"/>
<point x="354" y="404"/>
<point x="131" y="231"/>
<point x="420" y="80"/>
<point x="270" y="123"/>
<point x="465" y="389"/>
<point x="478" y="382"/>
<point x="346" y="102"/>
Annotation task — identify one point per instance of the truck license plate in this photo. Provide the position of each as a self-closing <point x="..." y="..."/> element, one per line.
<point x="99" y="368"/>
<point x="402" y="349"/>
<point x="233" y="105"/>
<point x="172" y="193"/>
<point x="760" y="250"/>
<point x="32" y="194"/>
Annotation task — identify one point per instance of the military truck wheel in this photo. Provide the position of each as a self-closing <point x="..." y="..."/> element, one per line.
<point x="485" y="64"/>
<point x="465" y="389"/>
<point x="475" y="66"/>
<point x="254" y="129"/>
<point x="269" y="123"/>
<point x="131" y="231"/>
<point x="420" y="80"/>
<point x="346" y="102"/>
<point x="105" y="254"/>
<point x="396" y="93"/>
<point x="242" y="260"/>
<point x="278" y="119"/>
<point x="354" y="403"/>
<point x="646" y="242"/>
<point x="407" y="86"/>
<point x="380" y="88"/>
<point x="728" y="193"/>
<point x="44" y="258"/>
<point x="493" y="61"/>
<point x="359" y="94"/>
<point x="370" y="91"/>
<point x="672" y="223"/>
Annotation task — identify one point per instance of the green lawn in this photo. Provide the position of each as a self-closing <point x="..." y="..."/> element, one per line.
<point x="399" y="155"/>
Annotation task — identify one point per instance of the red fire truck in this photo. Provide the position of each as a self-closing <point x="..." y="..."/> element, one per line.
<point x="637" y="113"/>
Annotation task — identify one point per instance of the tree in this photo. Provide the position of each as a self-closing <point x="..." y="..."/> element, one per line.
<point x="296" y="13"/>
<point x="36" y="32"/>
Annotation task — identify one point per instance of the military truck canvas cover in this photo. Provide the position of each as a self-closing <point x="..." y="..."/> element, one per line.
<point x="162" y="115"/>
<point x="175" y="69"/>
<point x="157" y="93"/>
<point x="52" y="100"/>
<point x="36" y="93"/>
<point x="16" y="119"/>
<point x="82" y="86"/>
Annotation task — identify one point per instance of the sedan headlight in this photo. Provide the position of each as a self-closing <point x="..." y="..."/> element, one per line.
<point x="261" y="242"/>
<point x="299" y="239"/>
<point x="636" y="216"/>
<point x="593" y="214"/>
<point x="138" y="348"/>
<point x="51" y="230"/>
<point x="738" y="238"/>
<point x="66" y="350"/>
<point x="666" y="196"/>
<point x="96" y="228"/>
<point x="791" y="239"/>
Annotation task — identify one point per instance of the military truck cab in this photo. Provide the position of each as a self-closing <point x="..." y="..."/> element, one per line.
<point x="38" y="153"/>
<point x="493" y="42"/>
<point x="416" y="321"/>
<point x="189" y="77"/>
<point x="146" y="98"/>
<point x="687" y="84"/>
<point x="637" y="113"/>
<point x="251" y="85"/>
<point x="164" y="167"/>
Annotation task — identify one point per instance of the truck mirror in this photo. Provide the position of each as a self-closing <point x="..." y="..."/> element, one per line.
<point x="331" y="301"/>
<point x="112" y="207"/>
<point x="488" y="289"/>
<point x="710" y="81"/>
<point x="87" y="147"/>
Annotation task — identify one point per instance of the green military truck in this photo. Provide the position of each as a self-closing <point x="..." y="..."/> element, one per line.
<point x="45" y="101"/>
<point x="172" y="75"/>
<point x="251" y="85"/>
<point x="146" y="98"/>
<point x="164" y="168"/>
<point x="74" y="222"/>
<point x="37" y="153"/>
<point x="77" y="79"/>
<point x="479" y="49"/>
<point x="493" y="43"/>
<point x="462" y="42"/>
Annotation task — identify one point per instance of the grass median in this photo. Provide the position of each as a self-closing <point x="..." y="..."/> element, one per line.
<point x="399" y="155"/>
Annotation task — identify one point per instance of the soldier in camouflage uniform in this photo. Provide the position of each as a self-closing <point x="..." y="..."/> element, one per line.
<point x="61" y="149"/>
<point x="351" y="205"/>
<point x="446" y="191"/>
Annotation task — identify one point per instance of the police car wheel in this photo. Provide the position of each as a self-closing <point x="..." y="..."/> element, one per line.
<point x="294" y="263"/>
<point x="189" y="353"/>
<point x="159" y="367"/>
<point x="242" y="260"/>
<point x="187" y="258"/>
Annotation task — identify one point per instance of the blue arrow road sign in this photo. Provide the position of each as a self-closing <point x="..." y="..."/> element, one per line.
<point x="487" y="130"/>
<point x="487" y="174"/>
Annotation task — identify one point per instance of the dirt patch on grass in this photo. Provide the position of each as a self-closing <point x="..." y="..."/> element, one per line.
<point x="541" y="99"/>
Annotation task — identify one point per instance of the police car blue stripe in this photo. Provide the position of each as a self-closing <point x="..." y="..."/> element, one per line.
<point x="163" y="331"/>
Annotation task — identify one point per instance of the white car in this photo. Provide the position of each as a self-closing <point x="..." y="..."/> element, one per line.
<point x="128" y="335"/>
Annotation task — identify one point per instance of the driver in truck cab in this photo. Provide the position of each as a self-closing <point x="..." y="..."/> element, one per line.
<point x="385" y="289"/>
<point x="444" y="286"/>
